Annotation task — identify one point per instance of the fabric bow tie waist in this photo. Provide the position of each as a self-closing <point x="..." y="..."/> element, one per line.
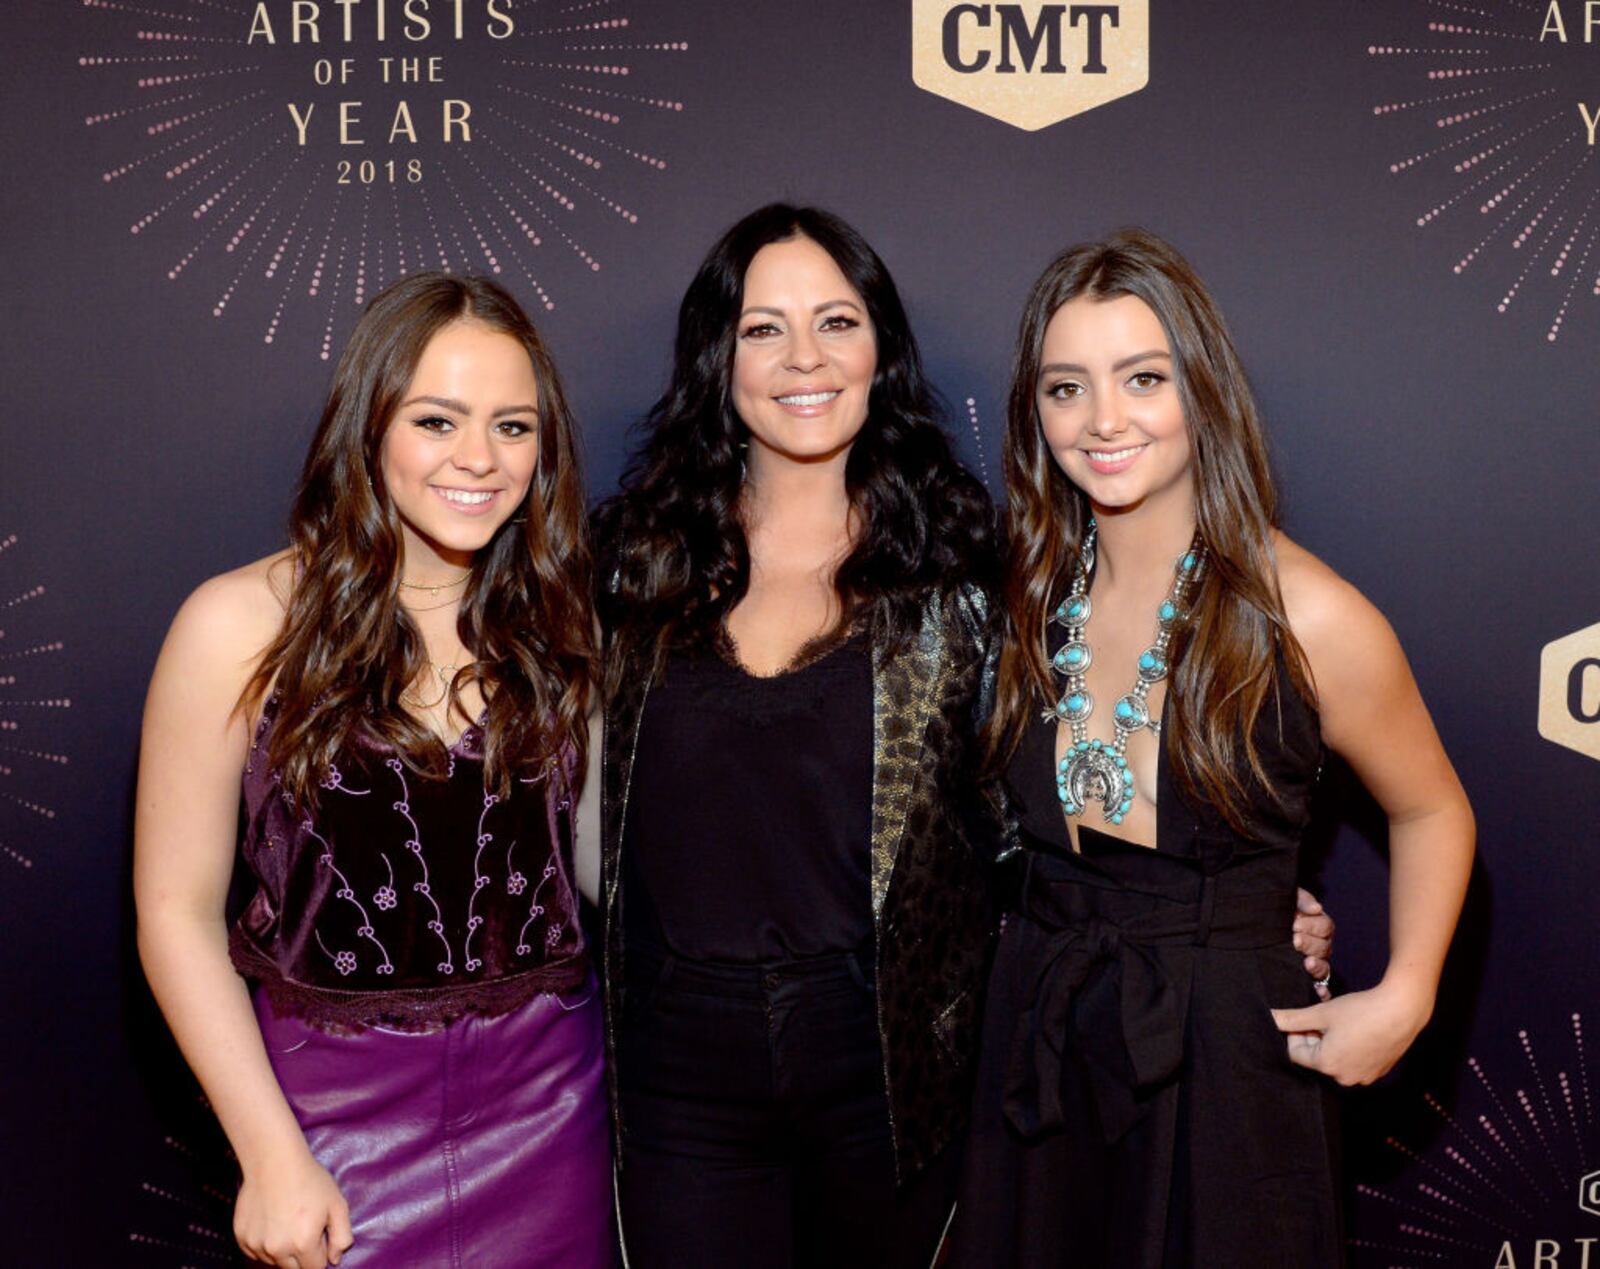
<point x="1117" y="969"/>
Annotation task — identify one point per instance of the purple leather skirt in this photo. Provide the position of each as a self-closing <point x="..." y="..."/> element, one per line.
<point x="481" y="1144"/>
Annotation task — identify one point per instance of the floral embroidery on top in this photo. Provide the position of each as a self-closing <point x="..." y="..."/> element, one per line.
<point x="479" y="881"/>
<point x="414" y="845"/>
<point x="334" y="780"/>
<point x="535" y="911"/>
<point x="344" y="961"/>
<point x="344" y="931"/>
<point x="348" y="894"/>
<point x="384" y="896"/>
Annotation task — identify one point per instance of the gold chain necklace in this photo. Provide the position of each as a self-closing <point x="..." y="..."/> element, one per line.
<point x="433" y="589"/>
<point x="429" y="607"/>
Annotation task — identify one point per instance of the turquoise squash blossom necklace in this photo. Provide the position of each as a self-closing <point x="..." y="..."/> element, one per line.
<point x="1092" y="770"/>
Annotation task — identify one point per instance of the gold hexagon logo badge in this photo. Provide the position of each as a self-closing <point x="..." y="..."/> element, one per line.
<point x="1589" y="1193"/>
<point x="1030" y="64"/>
<point x="1569" y="692"/>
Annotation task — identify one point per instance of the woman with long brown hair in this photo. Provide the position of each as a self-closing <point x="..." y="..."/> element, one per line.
<point x="796" y="586"/>
<point x="403" y="694"/>
<point x="1155" y="1077"/>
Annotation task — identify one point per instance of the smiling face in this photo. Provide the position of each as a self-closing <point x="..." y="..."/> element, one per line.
<point x="1108" y="403"/>
<point x="459" y="452"/>
<point x="804" y="355"/>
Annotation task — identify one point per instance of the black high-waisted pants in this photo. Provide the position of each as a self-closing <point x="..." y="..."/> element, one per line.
<point x="756" y="1121"/>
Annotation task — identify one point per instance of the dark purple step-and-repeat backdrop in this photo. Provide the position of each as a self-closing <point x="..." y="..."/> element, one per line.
<point x="1397" y="203"/>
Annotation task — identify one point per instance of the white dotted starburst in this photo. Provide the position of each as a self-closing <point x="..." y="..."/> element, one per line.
<point x="971" y="405"/>
<point x="184" y="1214"/>
<point x="1504" y="1166"/>
<point x="32" y="701"/>
<point x="1492" y="147"/>
<point x="280" y="183"/>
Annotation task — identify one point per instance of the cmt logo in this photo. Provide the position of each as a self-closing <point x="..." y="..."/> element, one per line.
<point x="1589" y="1193"/>
<point x="1569" y="714"/>
<point x="1030" y="64"/>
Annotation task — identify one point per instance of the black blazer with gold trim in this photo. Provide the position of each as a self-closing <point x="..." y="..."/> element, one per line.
<point x="932" y="855"/>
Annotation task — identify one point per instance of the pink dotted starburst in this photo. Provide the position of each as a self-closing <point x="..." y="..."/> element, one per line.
<point x="1487" y="109"/>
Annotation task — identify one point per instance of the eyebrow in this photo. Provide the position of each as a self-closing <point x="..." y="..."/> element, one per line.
<point x="1068" y="367"/>
<point x="778" y="312"/>
<point x="461" y="407"/>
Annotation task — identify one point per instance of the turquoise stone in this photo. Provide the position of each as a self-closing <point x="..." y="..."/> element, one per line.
<point x="1187" y="563"/>
<point x="1116" y="819"/>
<point x="1122" y="762"/>
<point x="1124" y="710"/>
<point x="1168" y="611"/>
<point x="1074" y="655"/>
<point x="1075" y="702"/>
<point x="1147" y="662"/>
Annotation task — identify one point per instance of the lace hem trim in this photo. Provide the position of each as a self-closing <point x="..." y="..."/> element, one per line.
<point x="419" y="1008"/>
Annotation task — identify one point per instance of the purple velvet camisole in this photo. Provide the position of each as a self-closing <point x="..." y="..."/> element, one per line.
<point x="404" y="900"/>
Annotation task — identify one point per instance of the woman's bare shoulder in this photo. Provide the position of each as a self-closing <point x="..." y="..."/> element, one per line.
<point x="228" y="620"/>
<point x="1326" y="612"/>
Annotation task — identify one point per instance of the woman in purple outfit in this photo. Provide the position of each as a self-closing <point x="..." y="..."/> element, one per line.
<point x="403" y="693"/>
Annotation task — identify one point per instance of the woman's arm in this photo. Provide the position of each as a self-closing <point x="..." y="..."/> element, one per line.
<point x="192" y="754"/>
<point x="1373" y="717"/>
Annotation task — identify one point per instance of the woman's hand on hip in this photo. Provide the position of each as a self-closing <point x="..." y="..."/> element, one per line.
<point x="1356" y="1038"/>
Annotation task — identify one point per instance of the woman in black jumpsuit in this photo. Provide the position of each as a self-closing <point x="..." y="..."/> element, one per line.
<point x="1154" y="1084"/>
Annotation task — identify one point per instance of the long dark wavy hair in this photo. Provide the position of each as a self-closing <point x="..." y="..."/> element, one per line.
<point x="1225" y="654"/>
<point x="348" y="650"/>
<point x="674" y="560"/>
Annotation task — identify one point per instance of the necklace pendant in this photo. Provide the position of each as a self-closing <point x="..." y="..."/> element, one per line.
<point x="1130" y="713"/>
<point x="1074" y="706"/>
<point x="1152" y="666"/>
<point x="1093" y="773"/>
<point x="1073" y="611"/>
<point x="1073" y="657"/>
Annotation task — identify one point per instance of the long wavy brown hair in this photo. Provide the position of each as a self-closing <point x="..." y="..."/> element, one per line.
<point x="674" y="556"/>
<point x="348" y="650"/>
<point x="1226" y="652"/>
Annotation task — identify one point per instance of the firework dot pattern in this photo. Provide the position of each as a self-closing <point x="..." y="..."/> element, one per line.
<point x="1504" y="1165"/>
<point x="1492" y="150"/>
<point x="261" y="217"/>
<point x="29" y="677"/>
